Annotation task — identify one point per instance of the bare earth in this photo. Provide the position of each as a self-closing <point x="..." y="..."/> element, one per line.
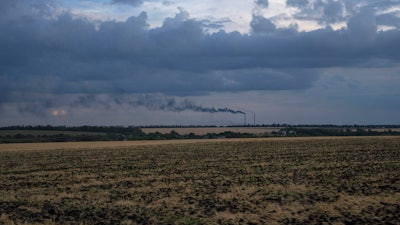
<point x="120" y="144"/>
<point x="335" y="180"/>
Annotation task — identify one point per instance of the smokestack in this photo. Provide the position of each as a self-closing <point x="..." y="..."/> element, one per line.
<point x="244" y="119"/>
<point x="254" y="118"/>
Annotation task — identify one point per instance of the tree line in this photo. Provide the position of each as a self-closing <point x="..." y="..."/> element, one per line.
<point x="48" y="133"/>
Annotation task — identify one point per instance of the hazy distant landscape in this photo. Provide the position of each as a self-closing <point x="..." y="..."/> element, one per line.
<point x="27" y="134"/>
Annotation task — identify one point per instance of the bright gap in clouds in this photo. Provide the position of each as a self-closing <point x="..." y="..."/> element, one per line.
<point x="234" y="16"/>
<point x="226" y="14"/>
<point x="230" y="15"/>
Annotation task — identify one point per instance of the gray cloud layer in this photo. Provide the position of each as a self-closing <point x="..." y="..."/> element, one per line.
<point x="127" y="2"/>
<point x="40" y="53"/>
<point x="332" y="11"/>
<point x="262" y="3"/>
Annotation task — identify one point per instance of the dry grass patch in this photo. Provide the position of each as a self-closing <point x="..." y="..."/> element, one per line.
<point x="216" y="130"/>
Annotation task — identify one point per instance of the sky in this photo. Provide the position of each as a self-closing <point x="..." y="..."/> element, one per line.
<point x="185" y="62"/>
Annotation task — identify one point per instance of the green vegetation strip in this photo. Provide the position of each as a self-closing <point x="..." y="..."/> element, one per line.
<point x="280" y="181"/>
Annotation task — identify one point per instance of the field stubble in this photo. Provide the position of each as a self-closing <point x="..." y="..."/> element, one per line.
<point x="270" y="181"/>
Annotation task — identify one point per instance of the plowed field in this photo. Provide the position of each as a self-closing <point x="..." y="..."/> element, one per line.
<point x="255" y="181"/>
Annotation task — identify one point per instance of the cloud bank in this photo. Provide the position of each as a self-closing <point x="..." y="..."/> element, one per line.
<point x="48" y="53"/>
<point x="178" y="56"/>
<point x="127" y="2"/>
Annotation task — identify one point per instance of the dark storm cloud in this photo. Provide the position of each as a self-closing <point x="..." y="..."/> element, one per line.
<point x="127" y="2"/>
<point x="389" y="20"/>
<point x="260" y="24"/>
<point x="297" y="3"/>
<point x="262" y="3"/>
<point x="66" y="55"/>
<point x="332" y="11"/>
<point x="214" y="23"/>
<point x="362" y="26"/>
<point x="324" y="12"/>
<point x="35" y="108"/>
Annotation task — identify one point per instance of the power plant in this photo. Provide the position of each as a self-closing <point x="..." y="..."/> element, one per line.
<point x="245" y="119"/>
